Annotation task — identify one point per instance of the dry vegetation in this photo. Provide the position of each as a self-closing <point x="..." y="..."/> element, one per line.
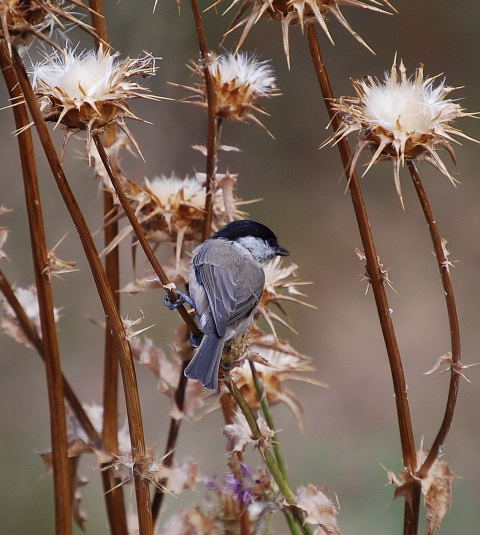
<point x="91" y="94"/>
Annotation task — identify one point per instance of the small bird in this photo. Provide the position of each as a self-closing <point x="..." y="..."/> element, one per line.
<point x="226" y="283"/>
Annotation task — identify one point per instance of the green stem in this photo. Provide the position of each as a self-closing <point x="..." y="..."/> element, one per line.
<point x="268" y="457"/>
<point x="267" y="413"/>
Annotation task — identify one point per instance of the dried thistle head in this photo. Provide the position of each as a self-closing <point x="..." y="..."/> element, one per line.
<point x="318" y="509"/>
<point x="172" y="210"/>
<point x="281" y="285"/>
<point x="89" y="90"/>
<point x="279" y="363"/>
<point x="193" y="521"/>
<point x="29" y="301"/>
<point x="401" y="119"/>
<point x="296" y="12"/>
<point x="22" y="20"/>
<point x="167" y="370"/>
<point x="239" y="80"/>
<point x="244" y="489"/>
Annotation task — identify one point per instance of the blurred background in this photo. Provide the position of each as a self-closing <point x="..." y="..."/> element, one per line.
<point x="351" y="427"/>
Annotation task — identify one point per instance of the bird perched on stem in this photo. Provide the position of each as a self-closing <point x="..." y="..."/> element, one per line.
<point x="226" y="283"/>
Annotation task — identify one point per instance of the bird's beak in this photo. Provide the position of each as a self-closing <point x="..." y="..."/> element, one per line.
<point x="281" y="251"/>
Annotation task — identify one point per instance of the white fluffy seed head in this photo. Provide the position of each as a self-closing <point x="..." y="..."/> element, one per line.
<point x="238" y="80"/>
<point x="408" y="106"/>
<point x="401" y="118"/>
<point x="170" y="191"/>
<point x="244" y="71"/>
<point x="88" y="90"/>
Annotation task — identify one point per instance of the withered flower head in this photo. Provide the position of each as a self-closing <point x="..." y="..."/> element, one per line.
<point x="284" y="364"/>
<point x="240" y="436"/>
<point x="22" y="20"/>
<point x="239" y="80"/>
<point x="172" y="210"/>
<point x="192" y="521"/>
<point x="8" y="320"/>
<point x="318" y="508"/>
<point x="167" y="371"/>
<point x="244" y="489"/>
<point x="89" y="90"/>
<point x="297" y="12"/>
<point x="281" y="285"/>
<point x="401" y="119"/>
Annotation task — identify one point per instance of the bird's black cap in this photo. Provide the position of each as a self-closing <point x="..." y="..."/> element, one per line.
<point x="247" y="227"/>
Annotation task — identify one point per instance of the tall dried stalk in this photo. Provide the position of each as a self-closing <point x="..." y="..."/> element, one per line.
<point x="377" y="283"/>
<point x="106" y="297"/>
<point x="139" y="233"/>
<point x="31" y="333"/>
<point x="182" y="383"/>
<point x="456" y="364"/>
<point x="113" y="491"/>
<point x="211" y="124"/>
<point x="49" y="340"/>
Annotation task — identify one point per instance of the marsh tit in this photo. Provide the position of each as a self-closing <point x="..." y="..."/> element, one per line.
<point x="226" y="283"/>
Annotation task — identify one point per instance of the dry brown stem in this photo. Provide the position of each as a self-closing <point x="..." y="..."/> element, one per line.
<point x="377" y="282"/>
<point x="49" y="340"/>
<point x="211" y="126"/>
<point x="106" y="297"/>
<point x="113" y="491"/>
<point x="456" y="366"/>
<point x="137" y="228"/>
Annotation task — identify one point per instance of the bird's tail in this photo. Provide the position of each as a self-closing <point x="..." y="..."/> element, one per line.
<point x="204" y="365"/>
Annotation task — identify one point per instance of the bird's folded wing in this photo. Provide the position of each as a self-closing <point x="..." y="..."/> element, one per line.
<point x="233" y="291"/>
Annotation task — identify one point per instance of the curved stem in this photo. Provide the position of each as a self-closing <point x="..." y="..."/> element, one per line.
<point x="456" y="367"/>
<point x="376" y="279"/>
<point x="49" y="340"/>
<point x="106" y="296"/>
<point x="137" y="228"/>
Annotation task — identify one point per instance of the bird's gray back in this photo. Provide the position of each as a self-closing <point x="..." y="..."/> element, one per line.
<point x="232" y="279"/>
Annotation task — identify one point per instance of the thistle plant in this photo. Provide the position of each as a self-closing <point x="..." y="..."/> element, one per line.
<point x="89" y="90"/>
<point x="297" y="13"/>
<point x="403" y="119"/>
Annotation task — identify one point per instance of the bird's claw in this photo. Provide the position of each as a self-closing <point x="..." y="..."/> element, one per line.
<point x="182" y="298"/>
<point x="195" y="339"/>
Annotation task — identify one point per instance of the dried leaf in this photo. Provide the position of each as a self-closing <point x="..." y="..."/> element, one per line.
<point x="318" y="509"/>
<point x="192" y="522"/>
<point x="240" y="435"/>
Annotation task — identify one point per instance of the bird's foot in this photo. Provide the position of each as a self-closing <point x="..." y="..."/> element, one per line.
<point x="227" y="366"/>
<point x="195" y="339"/>
<point x="182" y="298"/>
